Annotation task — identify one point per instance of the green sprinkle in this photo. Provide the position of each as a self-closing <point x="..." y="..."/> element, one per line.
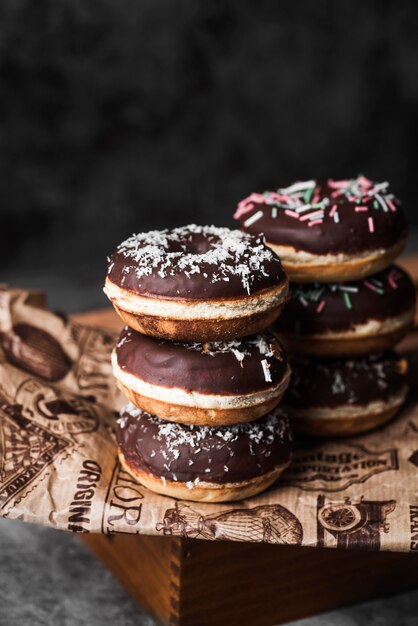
<point x="376" y="205"/>
<point x="347" y="300"/>
<point x="307" y="196"/>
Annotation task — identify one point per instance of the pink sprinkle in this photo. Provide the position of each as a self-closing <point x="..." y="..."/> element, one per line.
<point x="391" y="206"/>
<point x="370" y="285"/>
<point x="358" y="209"/>
<point x="315" y="223"/>
<point x="337" y="184"/>
<point x="333" y="209"/>
<point x="291" y="213"/>
<point x="247" y="205"/>
<point x="280" y="198"/>
<point x="371" y="224"/>
<point x="320" y="306"/>
<point x="335" y="193"/>
<point x="393" y="276"/>
<point x="243" y="208"/>
<point x="316" y="196"/>
<point x="257" y="197"/>
<point x="364" y="182"/>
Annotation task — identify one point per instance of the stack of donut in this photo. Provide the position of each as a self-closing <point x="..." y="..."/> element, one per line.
<point x="349" y="305"/>
<point x="203" y="375"/>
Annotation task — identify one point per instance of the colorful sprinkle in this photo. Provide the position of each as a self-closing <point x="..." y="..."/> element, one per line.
<point x="321" y="306"/>
<point x="392" y="278"/>
<point x="382" y="203"/>
<point x="254" y="218"/>
<point x="315" y="223"/>
<point x="364" y="182"/>
<point x="303" y="209"/>
<point x="302" y="186"/>
<point x="376" y="282"/>
<point x="304" y="198"/>
<point x="374" y="288"/>
<point x="246" y="205"/>
<point x="391" y="205"/>
<point x="316" y="197"/>
<point x="307" y="196"/>
<point x="312" y="216"/>
<point x="338" y="184"/>
<point x="291" y="213"/>
<point x="347" y="300"/>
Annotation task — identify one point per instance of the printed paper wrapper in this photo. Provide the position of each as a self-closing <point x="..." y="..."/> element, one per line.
<point x="58" y="463"/>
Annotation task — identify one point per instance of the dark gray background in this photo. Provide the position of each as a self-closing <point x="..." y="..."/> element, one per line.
<point x="122" y="116"/>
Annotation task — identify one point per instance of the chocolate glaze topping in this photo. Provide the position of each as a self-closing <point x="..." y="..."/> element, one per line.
<point x="316" y="308"/>
<point x="317" y="383"/>
<point x="241" y="366"/>
<point x="190" y="454"/>
<point x="195" y="262"/>
<point x="330" y="217"/>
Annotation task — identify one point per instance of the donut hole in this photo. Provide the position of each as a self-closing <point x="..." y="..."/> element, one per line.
<point x="198" y="243"/>
<point x="195" y="243"/>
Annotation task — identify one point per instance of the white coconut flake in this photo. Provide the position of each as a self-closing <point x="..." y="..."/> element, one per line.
<point x="171" y="438"/>
<point x="240" y="348"/>
<point x="231" y="253"/>
<point x="266" y="370"/>
<point x="338" y="386"/>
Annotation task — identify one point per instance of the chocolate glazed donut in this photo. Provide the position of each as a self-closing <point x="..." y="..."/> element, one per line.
<point x="196" y="283"/>
<point x="210" y="464"/>
<point x="202" y="383"/>
<point x="336" y="398"/>
<point x="328" y="231"/>
<point x="347" y="319"/>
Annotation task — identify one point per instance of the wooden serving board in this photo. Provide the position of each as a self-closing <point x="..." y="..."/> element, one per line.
<point x="189" y="582"/>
